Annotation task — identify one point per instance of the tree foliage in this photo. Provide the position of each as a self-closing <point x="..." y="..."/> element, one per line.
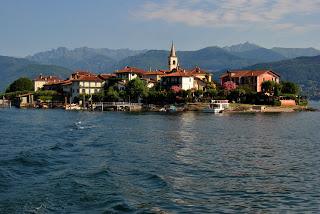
<point x="48" y="96"/>
<point x="21" y="84"/>
<point x="136" y="89"/>
<point x="290" y="88"/>
<point x="112" y="94"/>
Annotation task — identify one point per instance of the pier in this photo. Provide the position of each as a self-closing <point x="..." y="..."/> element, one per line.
<point x="117" y="106"/>
<point x="5" y="103"/>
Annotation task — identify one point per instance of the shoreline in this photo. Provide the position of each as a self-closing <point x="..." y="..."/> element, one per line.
<point x="199" y="107"/>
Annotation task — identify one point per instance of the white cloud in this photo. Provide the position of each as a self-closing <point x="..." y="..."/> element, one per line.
<point x="275" y="14"/>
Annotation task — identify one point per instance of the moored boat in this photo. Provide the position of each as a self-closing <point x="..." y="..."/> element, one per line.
<point x="72" y="107"/>
<point x="217" y="106"/>
<point x="172" y="108"/>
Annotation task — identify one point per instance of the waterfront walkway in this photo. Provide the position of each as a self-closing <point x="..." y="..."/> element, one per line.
<point x="117" y="106"/>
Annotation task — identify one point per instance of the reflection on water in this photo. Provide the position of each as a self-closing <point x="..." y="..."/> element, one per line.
<point x="57" y="161"/>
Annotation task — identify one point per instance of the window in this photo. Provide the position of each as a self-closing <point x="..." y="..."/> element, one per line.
<point x="83" y="91"/>
<point x="174" y="62"/>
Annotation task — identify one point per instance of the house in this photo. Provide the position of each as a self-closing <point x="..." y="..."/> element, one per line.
<point x="82" y="83"/>
<point x="199" y="84"/>
<point x="251" y="78"/>
<point x="108" y="78"/>
<point x="201" y="74"/>
<point x="41" y="80"/>
<point x="85" y="83"/>
<point x="180" y="78"/>
<point x="154" y="75"/>
<point x="79" y="83"/>
<point x="66" y="88"/>
<point x="129" y="73"/>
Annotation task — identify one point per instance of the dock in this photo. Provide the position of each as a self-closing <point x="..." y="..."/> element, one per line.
<point x="5" y="103"/>
<point x="117" y="106"/>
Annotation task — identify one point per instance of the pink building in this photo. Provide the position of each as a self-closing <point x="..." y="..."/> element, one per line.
<point x="253" y="79"/>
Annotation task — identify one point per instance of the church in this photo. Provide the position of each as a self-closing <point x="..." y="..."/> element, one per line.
<point x="195" y="79"/>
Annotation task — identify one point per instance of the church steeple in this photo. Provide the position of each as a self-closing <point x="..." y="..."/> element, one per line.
<point x="173" y="59"/>
<point x="173" y="50"/>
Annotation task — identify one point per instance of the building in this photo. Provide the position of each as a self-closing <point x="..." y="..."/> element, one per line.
<point x="180" y="78"/>
<point x="195" y="79"/>
<point x="253" y="79"/>
<point x="41" y="80"/>
<point x="108" y="79"/>
<point x="129" y="73"/>
<point x="82" y="83"/>
<point x="154" y="75"/>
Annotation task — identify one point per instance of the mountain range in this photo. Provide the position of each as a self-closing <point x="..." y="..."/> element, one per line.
<point x="210" y="58"/>
<point x="288" y="62"/>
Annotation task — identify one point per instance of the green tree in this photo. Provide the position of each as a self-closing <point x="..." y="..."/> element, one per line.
<point x="268" y="86"/>
<point x="48" y="96"/>
<point x="112" y="94"/>
<point x="237" y="94"/>
<point x="277" y="89"/>
<point x="136" y="89"/>
<point x="97" y="97"/>
<point x="290" y="88"/>
<point x="212" y="92"/>
<point x="21" y="84"/>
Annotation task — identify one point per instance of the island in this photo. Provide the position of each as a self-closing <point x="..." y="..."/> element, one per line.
<point x="174" y="89"/>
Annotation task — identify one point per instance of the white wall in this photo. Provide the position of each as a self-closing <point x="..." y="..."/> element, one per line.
<point x="187" y="83"/>
<point x="38" y="85"/>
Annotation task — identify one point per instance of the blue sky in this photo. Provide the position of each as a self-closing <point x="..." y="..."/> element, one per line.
<point x="30" y="26"/>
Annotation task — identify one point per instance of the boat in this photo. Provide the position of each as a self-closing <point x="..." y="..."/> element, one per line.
<point x="217" y="106"/>
<point x="72" y="107"/>
<point x="172" y="108"/>
<point x="162" y="110"/>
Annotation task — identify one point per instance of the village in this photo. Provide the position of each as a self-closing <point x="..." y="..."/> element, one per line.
<point x="174" y="89"/>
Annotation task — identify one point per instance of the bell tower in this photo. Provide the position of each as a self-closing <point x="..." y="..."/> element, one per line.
<point x="173" y="59"/>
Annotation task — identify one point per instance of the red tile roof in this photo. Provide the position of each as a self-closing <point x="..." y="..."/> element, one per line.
<point x="180" y="73"/>
<point x="128" y="69"/>
<point x="48" y="79"/>
<point x="198" y="70"/>
<point x="187" y="73"/>
<point x="246" y="73"/>
<point x="67" y="82"/>
<point x="154" y="73"/>
<point x="90" y="78"/>
<point x="85" y="76"/>
<point x="82" y="72"/>
<point x="164" y="71"/>
<point x="106" y="76"/>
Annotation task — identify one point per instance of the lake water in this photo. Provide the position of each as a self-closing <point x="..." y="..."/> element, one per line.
<point x="53" y="161"/>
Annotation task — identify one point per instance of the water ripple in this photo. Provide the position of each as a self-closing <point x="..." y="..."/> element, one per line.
<point x="93" y="162"/>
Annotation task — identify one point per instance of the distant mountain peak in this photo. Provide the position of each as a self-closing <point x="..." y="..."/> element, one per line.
<point x="242" y="47"/>
<point x="296" y="52"/>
